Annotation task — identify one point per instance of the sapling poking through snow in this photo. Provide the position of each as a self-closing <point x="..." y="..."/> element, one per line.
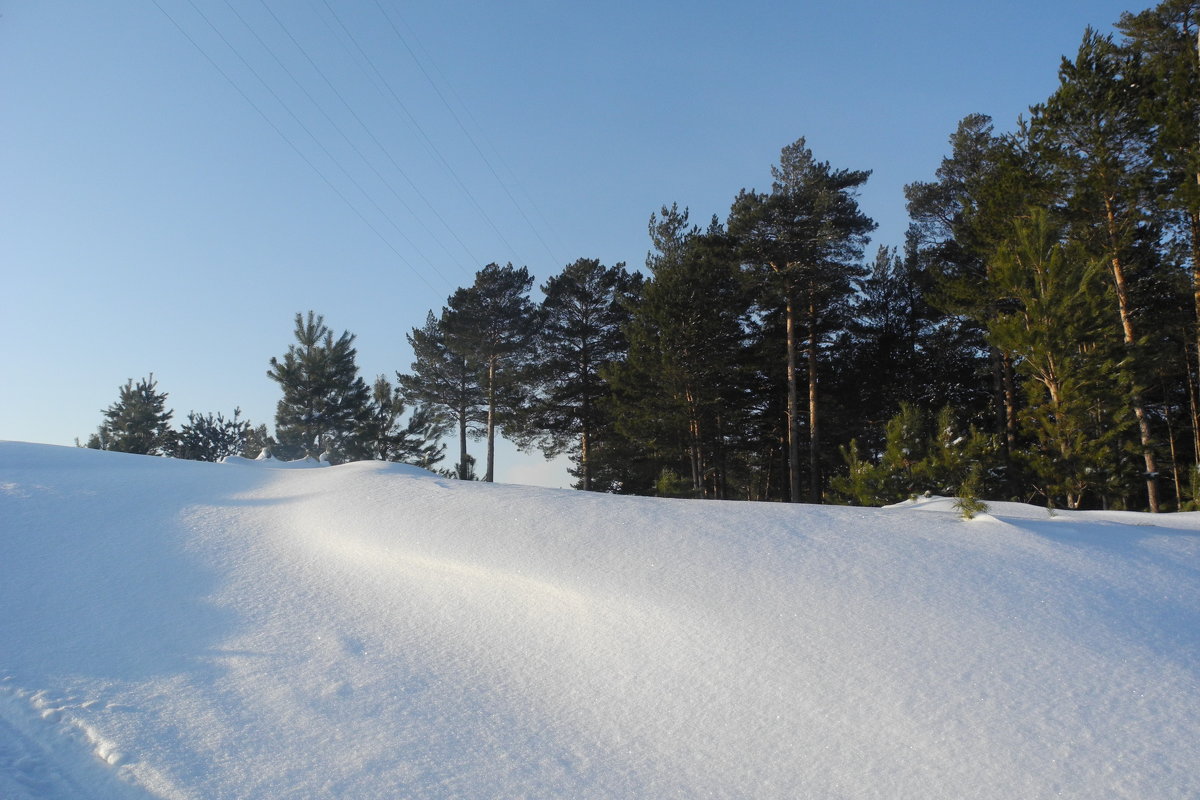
<point x="968" y="503"/>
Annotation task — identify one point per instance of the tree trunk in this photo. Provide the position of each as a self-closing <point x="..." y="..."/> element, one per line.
<point x="491" y="422"/>
<point x="814" y="438"/>
<point x="462" y="445"/>
<point x="793" y="406"/>
<point x="1192" y="388"/>
<point x="585" y="459"/>
<point x="1139" y="409"/>
<point x="1194" y="221"/>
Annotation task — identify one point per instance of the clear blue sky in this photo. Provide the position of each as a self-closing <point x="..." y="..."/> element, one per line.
<point x="178" y="178"/>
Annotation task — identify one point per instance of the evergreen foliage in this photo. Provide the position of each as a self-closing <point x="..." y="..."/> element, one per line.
<point x="922" y="455"/>
<point x="803" y="241"/>
<point x="584" y="313"/>
<point x="676" y="394"/>
<point x="210" y="438"/>
<point x="1095" y="140"/>
<point x="445" y="384"/>
<point x="968" y="503"/>
<point x="1046" y="300"/>
<point x="414" y="441"/>
<point x="138" y="422"/>
<point x="325" y="405"/>
<point x="492" y="325"/>
<point x="1053" y="320"/>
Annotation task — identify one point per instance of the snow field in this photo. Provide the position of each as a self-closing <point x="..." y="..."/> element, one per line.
<point x="371" y="630"/>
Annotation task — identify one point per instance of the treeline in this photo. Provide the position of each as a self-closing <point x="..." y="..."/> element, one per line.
<point x="1036" y="338"/>
<point x="326" y="412"/>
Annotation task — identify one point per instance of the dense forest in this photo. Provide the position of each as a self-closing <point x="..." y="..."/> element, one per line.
<point x="1036" y="337"/>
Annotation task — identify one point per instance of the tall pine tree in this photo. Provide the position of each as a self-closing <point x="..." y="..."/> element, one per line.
<point x="1092" y="133"/>
<point x="804" y="241"/>
<point x="584" y="312"/>
<point x="444" y="382"/>
<point x="493" y="325"/>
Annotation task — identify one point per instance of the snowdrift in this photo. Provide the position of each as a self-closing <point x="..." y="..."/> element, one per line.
<point x="173" y="629"/>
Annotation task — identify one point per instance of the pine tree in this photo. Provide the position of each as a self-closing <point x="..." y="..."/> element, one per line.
<point x="210" y="438"/>
<point x="675" y="393"/>
<point x="1162" y="45"/>
<point x="922" y="455"/>
<point x="493" y="325"/>
<point x="1092" y="132"/>
<point x="139" y="422"/>
<point x="584" y="312"/>
<point x="1053" y="319"/>
<point x="958" y="222"/>
<point x="414" y="442"/>
<point x="325" y="403"/>
<point x="803" y="240"/>
<point x="898" y="348"/>
<point x="444" y="383"/>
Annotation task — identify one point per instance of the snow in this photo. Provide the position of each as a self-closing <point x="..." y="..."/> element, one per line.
<point x="174" y="629"/>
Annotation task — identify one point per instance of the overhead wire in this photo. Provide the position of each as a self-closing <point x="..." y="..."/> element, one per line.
<point x="433" y="84"/>
<point x="380" y="145"/>
<point x="333" y="123"/>
<point x="292" y="145"/>
<point x="433" y="148"/>
<point x="336" y="162"/>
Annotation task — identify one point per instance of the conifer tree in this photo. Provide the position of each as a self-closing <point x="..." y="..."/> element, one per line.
<point x="687" y="344"/>
<point x="138" y="422"/>
<point x="444" y="383"/>
<point x="804" y="240"/>
<point x="958" y="222"/>
<point x="206" y="437"/>
<point x="896" y="347"/>
<point x="584" y="311"/>
<point x="493" y="325"/>
<point x="413" y="442"/>
<point x="1162" y="45"/>
<point x="1054" y="321"/>
<point x="325" y="402"/>
<point x="1092" y="132"/>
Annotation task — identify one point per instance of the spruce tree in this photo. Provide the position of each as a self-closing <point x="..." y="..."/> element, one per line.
<point x="325" y="404"/>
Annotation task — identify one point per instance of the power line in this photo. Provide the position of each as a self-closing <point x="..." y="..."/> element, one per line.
<point x="336" y="162"/>
<point x="417" y="125"/>
<point x="266" y="118"/>
<point x="332" y="122"/>
<point x="382" y="148"/>
<point x="466" y="132"/>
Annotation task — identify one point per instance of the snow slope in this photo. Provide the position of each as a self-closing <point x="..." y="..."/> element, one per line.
<point x="175" y="629"/>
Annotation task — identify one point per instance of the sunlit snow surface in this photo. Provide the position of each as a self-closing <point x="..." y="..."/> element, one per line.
<point x="184" y="630"/>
